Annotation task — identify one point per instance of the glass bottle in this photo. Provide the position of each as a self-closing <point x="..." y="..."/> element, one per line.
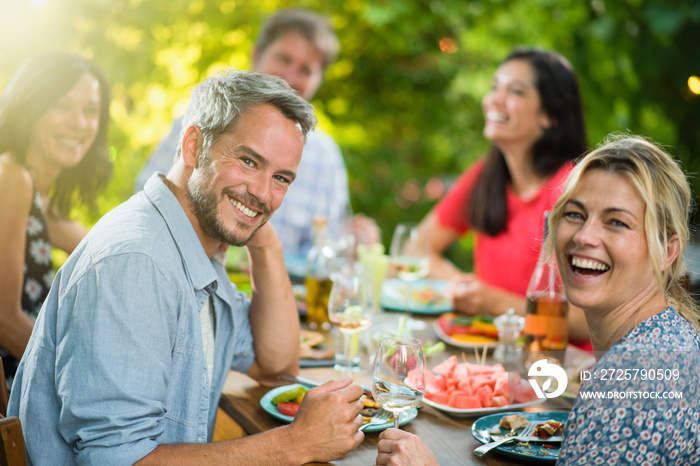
<point x="318" y="276"/>
<point x="546" y="310"/>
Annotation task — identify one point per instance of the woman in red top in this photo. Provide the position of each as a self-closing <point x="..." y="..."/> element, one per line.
<point x="534" y="118"/>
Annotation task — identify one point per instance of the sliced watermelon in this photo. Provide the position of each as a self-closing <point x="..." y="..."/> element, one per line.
<point x="485" y="396"/>
<point x="460" y="400"/>
<point x="438" y="397"/>
<point x="447" y="367"/>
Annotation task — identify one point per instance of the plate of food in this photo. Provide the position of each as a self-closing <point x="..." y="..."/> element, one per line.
<point x="467" y="390"/>
<point x="546" y="424"/>
<point x="315" y="349"/>
<point x="466" y="331"/>
<point x="283" y="403"/>
<point x="427" y="296"/>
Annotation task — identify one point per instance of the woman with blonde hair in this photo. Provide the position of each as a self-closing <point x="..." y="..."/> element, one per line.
<point x="620" y="229"/>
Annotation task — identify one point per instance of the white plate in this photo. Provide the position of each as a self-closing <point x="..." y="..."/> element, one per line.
<point x="481" y="411"/>
<point x="462" y="344"/>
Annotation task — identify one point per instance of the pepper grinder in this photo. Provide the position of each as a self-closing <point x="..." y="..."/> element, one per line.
<point x="509" y="351"/>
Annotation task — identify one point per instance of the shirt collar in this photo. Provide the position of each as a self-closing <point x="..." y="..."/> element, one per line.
<point x="198" y="265"/>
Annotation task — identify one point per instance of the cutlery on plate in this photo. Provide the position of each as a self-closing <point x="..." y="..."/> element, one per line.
<point x="524" y="436"/>
<point x="298" y="379"/>
<point x="382" y="417"/>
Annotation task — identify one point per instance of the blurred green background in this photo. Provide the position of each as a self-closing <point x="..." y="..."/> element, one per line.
<point x="403" y="99"/>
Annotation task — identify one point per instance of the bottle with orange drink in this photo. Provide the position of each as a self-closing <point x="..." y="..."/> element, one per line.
<point x="547" y="308"/>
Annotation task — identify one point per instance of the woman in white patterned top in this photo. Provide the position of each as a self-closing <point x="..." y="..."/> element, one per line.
<point x="620" y="230"/>
<point x="54" y="116"/>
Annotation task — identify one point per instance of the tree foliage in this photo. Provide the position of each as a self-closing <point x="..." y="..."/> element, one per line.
<point x="404" y="98"/>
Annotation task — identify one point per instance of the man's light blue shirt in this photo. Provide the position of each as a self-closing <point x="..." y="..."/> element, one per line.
<point x="115" y="365"/>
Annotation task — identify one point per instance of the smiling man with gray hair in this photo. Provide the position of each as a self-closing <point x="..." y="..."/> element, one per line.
<point x="131" y="349"/>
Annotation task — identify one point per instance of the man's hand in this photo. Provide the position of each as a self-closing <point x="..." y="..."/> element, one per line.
<point x="398" y="447"/>
<point x="327" y="421"/>
<point x="265" y="236"/>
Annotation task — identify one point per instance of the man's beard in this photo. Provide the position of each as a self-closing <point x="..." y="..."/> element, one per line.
<point x="204" y="202"/>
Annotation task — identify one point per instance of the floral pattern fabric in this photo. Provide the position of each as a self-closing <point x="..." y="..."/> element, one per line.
<point x="38" y="271"/>
<point x="624" y="415"/>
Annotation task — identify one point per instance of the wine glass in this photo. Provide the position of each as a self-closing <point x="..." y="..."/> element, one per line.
<point x="398" y="375"/>
<point x="350" y="306"/>
<point x="409" y="256"/>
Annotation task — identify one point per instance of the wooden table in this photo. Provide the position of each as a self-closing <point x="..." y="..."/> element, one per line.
<point x="448" y="437"/>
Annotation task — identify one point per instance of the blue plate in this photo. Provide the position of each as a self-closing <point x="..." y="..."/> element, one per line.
<point x="266" y="404"/>
<point x="394" y="296"/>
<point x="536" y="453"/>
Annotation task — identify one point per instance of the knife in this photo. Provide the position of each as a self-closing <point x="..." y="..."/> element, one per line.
<point x="298" y="379"/>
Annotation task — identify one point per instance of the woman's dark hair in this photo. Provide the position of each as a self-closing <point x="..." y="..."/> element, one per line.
<point x="565" y="140"/>
<point x="39" y="83"/>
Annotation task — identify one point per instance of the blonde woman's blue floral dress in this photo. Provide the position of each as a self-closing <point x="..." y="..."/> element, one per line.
<point x="640" y="405"/>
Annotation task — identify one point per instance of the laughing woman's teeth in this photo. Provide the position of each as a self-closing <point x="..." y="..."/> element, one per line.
<point x="495" y="116"/>
<point x="244" y="209"/>
<point x="588" y="264"/>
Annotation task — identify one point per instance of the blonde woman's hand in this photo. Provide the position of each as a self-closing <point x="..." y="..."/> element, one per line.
<point x="400" y="448"/>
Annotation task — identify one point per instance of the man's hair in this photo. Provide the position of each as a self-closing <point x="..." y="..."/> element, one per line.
<point x="217" y="104"/>
<point x="315" y="28"/>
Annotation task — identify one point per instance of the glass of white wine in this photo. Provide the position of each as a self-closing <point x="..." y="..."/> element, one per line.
<point x="398" y="375"/>
<point x="409" y="256"/>
<point x="350" y="307"/>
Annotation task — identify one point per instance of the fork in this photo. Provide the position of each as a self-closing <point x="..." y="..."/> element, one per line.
<point x="525" y="435"/>
<point x="382" y="417"/>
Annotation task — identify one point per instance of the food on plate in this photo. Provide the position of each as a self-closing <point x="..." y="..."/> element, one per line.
<point x="370" y="407"/>
<point x="468" y="329"/>
<point x="311" y="338"/>
<point x="474" y="386"/>
<point x="288" y="401"/>
<point x="548" y="429"/>
<point x="427" y="295"/>
<point x="513" y="421"/>
<point x="311" y="346"/>
<point x="288" y="408"/>
<point x="295" y="394"/>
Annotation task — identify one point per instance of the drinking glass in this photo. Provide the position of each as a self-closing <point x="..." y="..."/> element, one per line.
<point x="398" y="375"/>
<point x="409" y="256"/>
<point x="350" y="306"/>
